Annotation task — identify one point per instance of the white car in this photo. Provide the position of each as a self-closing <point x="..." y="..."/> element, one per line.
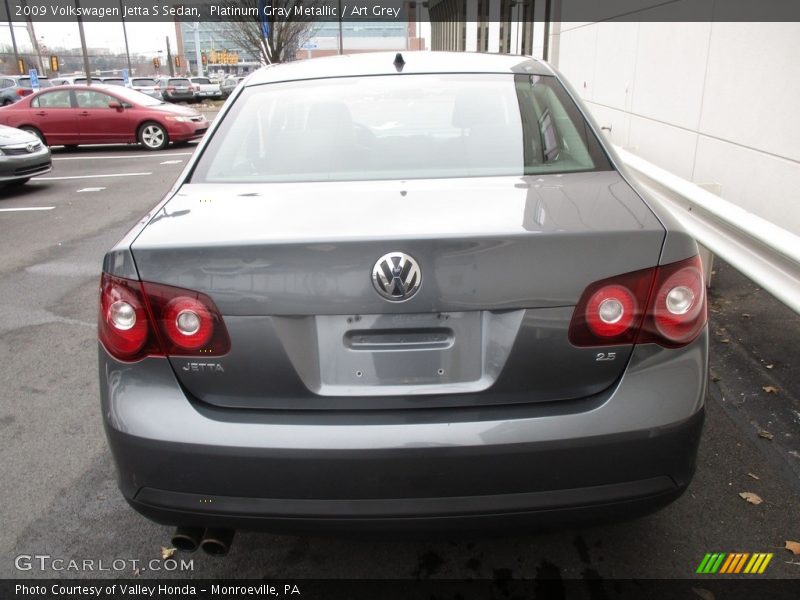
<point x="205" y="88"/>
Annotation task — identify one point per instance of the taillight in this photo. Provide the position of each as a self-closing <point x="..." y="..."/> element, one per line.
<point x="23" y="92"/>
<point x="677" y="310"/>
<point x="123" y="324"/>
<point x="665" y="305"/>
<point x="170" y="89"/>
<point x="139" y="319"/>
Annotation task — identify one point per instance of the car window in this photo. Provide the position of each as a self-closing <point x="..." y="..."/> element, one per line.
<point x="144" y="82"/>
<point x="6" y="83"/>
<point x="414" y="126"/>
<point x="57" y="99"/>
<point x="43" y="83"/>
<point x="114" y="81"/>
<point x="88" y="99"/>
<point x="184" y="82"/>
<point x="201" y="80"/>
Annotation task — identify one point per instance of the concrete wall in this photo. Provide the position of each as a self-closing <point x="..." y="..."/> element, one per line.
<point x="711" y="102"/>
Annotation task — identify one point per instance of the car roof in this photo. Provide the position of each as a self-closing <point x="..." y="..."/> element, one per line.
<point x="382" y="63"/>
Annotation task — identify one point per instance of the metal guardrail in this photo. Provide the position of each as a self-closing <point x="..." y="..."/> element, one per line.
<point x="759" y="249"/>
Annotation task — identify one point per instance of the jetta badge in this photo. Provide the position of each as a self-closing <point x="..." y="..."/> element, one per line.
<point x="396" y="276"/>
<point x="30" y="147"/>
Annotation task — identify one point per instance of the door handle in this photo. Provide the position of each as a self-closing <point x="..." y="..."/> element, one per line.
<point x="84" y="113"/>
<point x="41" y="113"/>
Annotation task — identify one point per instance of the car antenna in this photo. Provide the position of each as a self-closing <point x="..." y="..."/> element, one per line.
<point x="399" y="63"/>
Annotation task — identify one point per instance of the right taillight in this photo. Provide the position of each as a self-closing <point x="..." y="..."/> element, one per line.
<point x="139" y="319"/>
<point x="677" y="311"/>
<point x="665" y="305"/>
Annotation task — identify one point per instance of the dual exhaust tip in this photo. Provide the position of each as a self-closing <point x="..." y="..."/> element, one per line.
<point x="214" y="542"/>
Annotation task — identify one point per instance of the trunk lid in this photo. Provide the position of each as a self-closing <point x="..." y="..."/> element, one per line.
<point x="503" y="262"/>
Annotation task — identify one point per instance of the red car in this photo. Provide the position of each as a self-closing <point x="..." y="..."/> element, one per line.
<point x="73" y="115"/>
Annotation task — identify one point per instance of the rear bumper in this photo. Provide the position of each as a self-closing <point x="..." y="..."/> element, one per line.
<point x="624" y="452"/>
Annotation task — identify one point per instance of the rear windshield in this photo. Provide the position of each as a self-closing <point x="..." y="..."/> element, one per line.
<point x="144" y="82"/>
<point x="401" y="127"/>
<point x="178" y="82"/>
<point x="114" y="81"/>
<point x="201" y="80"/>
<point x="43" y="83"/>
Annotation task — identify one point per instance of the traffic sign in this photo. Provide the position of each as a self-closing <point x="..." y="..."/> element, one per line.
<point x="34" y="75"/>
<point x="126" y="76"/>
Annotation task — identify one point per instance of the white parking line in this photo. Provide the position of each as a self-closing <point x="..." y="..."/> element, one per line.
<point x="91" y="189"/>
<point x="90" y="176"/>
<point x="120" y="157"/>
<point x="27" y="208"/>
<point x="171" y="162"/>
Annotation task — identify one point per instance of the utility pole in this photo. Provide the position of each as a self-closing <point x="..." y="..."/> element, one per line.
<point x="198" y="53"/>
<point x="341" y="44"/>
<point x="34" y="42"/>
<point x="83" y="45"/>
<point x="169" y="60"/>
<point x="125" y="34"/>
<point x="13" y="37"/>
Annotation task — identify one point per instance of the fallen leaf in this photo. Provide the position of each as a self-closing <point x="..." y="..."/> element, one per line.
<point x="751" y="497"/>
<point x="136" y="572"/>
<point x="794" y="547"/>
<point x="754" y="476"/>
<point x="703" y="593"/>
<point x="715" y="378"/>
<point x="167" y="553"/>
<point x="746" y="315"/>
<point x="765" y="434"/>
<point x="770" y="389"/>
<point x="770" y="366"/>
<point x="724" y="341"/>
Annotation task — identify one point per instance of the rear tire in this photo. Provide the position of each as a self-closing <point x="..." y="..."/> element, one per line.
<point x="153" y="136"/>
<point x="35" y="132"/>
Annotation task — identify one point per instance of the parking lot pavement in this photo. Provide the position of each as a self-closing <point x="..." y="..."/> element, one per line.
<point x="59" y="496"/>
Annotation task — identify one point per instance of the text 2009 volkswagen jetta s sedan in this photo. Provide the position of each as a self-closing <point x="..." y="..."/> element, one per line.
<point x="402" y="290"/>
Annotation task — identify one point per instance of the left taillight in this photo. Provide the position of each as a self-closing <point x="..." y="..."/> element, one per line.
<point x="139" y="319"/>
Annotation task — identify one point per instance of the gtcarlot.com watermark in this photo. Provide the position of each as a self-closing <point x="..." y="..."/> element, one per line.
<point x="48" y="563"/>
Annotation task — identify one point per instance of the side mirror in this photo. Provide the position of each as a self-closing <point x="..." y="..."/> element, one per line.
<point x="115" y="105"/>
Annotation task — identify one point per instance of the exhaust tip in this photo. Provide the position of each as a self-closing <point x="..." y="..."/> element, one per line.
<point x="187" y="539"/>
<point x="217" y="542"/>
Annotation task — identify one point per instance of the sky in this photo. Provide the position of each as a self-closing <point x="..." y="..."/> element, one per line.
<point x="143" y="38"/>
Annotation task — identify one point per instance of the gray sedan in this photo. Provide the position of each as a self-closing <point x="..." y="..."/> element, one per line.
<point x="22" y="156"/>
<point x="396" y="291"/>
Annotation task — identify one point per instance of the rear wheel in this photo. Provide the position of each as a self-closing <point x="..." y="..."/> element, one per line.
<point x="153" y="136"/>
<point x="35" y="132"/>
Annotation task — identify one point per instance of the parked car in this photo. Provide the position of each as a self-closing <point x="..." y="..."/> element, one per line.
<point x="205" y="88"/>
<point x="14" y="87"/>
<point x="103" y="114"/>
<point x="147" y="85"/>
<point x="22" y="156"/>
<point x="177" y="89"/>
<point x="229" y="84"/>
<point x="402" y="291"/>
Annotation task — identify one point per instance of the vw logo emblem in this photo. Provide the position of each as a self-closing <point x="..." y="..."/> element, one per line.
<point x="396" y="276"/>
<point x="30" y="147"/>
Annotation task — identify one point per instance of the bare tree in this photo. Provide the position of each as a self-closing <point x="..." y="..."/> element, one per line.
<point x="285" y="34"/>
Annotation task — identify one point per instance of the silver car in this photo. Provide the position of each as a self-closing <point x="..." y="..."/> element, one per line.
<point x="399" y="291"/>
<point x="22" y="156"/>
